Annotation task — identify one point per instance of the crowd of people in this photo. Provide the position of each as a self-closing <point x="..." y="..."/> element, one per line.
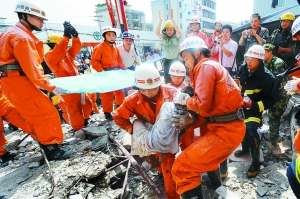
<point x="222" y="100"/>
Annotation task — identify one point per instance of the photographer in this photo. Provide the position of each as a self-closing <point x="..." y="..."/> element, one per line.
<point x="255" y="36"/>
<point x="226" y="48"/>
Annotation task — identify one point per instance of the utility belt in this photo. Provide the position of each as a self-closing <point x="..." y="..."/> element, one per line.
<point x="230" y="117"/>
<point x="11" y="67"/>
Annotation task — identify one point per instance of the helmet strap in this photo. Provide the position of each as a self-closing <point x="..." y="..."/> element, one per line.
<point x="32" y="27"/>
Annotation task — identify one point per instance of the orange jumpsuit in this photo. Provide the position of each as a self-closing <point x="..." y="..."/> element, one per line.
<point x="60" y="60"/>
<point x="9" y="114"/>
<point x="211" y="40"/>
<point x="297" y="72"/>
<point x="106" y="57"/>
<point x="93" y="97"/>
<point x="200" y="34"/>
<point x="18" y="44"/>
<point x="215" y="94"/>
<point x="135" y="104"/>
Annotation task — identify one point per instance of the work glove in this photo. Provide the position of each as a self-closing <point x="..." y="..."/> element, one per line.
<point x="67" y="34"/>
<point x="59" y="91"/>
<point x="247" y="103"/>
<point x="70" y="29"/>
<point x="292" y="85"/>
<point x="182" y="120"/>
<point x="181" y="98"/>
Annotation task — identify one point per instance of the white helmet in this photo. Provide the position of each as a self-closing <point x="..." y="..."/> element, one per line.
<point x="30" y="7"/>
<point x="147" y="77"/>
<point x="192" y="42"/>
<point x="195" y="19"/>
<point x="107" y="29"/>
<point x="256" y="51"/>
<point x="177" y="69"/>
<point x="296" y="26"/>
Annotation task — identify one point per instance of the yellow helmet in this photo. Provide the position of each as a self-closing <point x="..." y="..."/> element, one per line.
<point x="168" y="24"/>
<point x="54" y="38"/>
<point x="287" y="16"/>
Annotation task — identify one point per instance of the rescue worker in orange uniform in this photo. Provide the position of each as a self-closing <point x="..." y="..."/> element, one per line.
<point x="145" y="105"/>
<point x="60" y="60"/>
<point x="93" y="97"/>
<point x="106" y="57"/>
<point x="177" y="73"/>
<point x="9" y="114"/>
<point x="196" y="29"/>
<point x="218" y="100"/>
<point x="21" y="54"/>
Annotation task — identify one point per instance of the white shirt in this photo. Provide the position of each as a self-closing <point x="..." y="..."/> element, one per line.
<point x="130" y="57"/>
<point x="226" y="61"/>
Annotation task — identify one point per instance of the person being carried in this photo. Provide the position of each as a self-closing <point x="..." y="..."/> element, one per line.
<point x="60" y="59"/>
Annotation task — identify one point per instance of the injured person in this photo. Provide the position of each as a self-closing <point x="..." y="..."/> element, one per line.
<point x="161" y="137"/>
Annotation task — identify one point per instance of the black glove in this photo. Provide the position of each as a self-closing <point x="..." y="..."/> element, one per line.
<point x="67" y="34"/>
<point x="70" y="29"/>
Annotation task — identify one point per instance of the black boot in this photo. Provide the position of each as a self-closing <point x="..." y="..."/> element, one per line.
<point x="224" y="169"/>
<point x="55" y="152"/>
<point x="245" y="150"/>
<point x="6" y="158"/>
<point x="108" y="116"/>
<point x="213" y="179"/>
<point x="255" y="166"/>
<point x="195" y="193"/>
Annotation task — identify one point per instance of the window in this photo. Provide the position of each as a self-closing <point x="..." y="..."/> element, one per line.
<point x="208" y="25"/>
<point x="209" y="4"/>
<point x="167" y="7"/>
<point x="179" y="4"/>
<point x="180" y="15"/>
<point x="209" y="14"/>
<point x="281" y="3"/>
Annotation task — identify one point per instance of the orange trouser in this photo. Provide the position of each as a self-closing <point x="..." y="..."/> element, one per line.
<point x="9" y="114"/>
<point x="108" y="98"/>
<point x="93" y="97"/>
<point x="166" y="161"/>
<point x="35" y="107"/>
<point x="187" y="138"/>
<point x="206" y="153"/>
<point x="76" y="111"/>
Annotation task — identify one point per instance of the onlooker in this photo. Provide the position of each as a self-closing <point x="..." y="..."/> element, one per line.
<point x="227" y="50"/>
<point x="286" y="46"/>
<point x="170" y="36"/>
<point x="128" y="51"/>
<point x="196" y="31"/>
<point x="213" y="40"/>
<point x="275" y="66"/>
<point x="254" y="36"/>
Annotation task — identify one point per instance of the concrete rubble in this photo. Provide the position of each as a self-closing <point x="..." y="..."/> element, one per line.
<point x="93" y="171"/>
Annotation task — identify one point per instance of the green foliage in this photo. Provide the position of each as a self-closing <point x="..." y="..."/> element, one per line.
<point x="100" y="5"/>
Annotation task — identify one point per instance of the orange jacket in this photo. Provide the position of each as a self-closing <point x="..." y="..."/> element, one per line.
<point x="18" y="44"/>
<point x="200" y="34"/>
<point x="135" y="104"/>
<point x="106" y="56"/>
<point x="297" y="141"/>
<point x="297" y="72"/>
<point x="61" y="59"/>
<point x="215" y="91"/>
<point x="182" y="85"/>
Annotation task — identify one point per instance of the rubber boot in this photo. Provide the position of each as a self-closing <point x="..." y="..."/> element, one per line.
<point x="108" y="116"/>
<point x="6" y="158"/>
<point x="224" y="169"/>
<point x="245" y="150"/>
<point x="195" y="193"/>
<point x="213" y="179"/>
<point x="255" y="166"/>
<point x="55" y="152"/>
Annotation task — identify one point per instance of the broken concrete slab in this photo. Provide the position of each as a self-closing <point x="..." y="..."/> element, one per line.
<point x="126" y="141"/>
<point x="95" y="130"/>
<point x="99" y="142"/>
<point x="83" y="145"/>
<point x="224" y="193"/>
<point x="262" y="191"/>
<point x="80" y="134"/>
<point x="33" y="165"/>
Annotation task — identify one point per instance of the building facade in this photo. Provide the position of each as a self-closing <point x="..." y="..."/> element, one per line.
<point x="267" y="7"/>
<point x="183" y="11"/>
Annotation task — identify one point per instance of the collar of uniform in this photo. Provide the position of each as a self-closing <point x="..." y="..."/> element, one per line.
<point x="107" y="45"/>
<point x="198" y="66"/>
<point x="20" y="25"/>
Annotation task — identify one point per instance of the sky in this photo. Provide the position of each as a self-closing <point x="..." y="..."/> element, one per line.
<point x="82" y="11"/>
